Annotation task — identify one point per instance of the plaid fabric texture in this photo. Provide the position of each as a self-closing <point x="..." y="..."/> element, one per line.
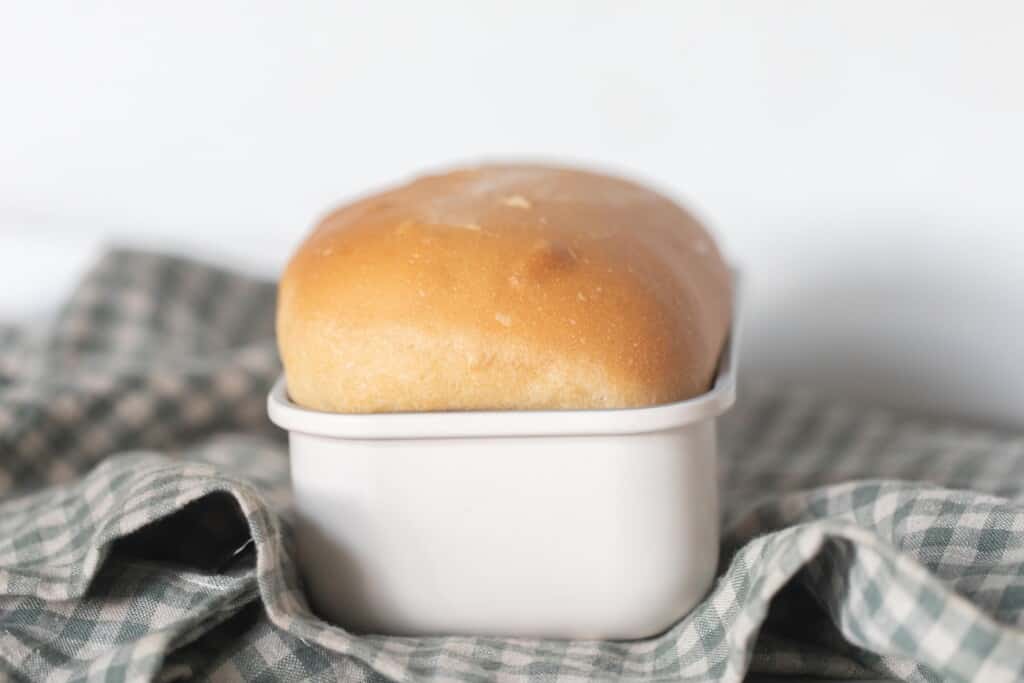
<point x="144" y="522"/>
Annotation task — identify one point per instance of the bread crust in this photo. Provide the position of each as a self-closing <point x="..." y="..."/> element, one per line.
<point x="503" y="287"/>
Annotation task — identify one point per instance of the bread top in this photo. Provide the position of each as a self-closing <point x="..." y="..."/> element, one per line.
<point x="503" y="287"/>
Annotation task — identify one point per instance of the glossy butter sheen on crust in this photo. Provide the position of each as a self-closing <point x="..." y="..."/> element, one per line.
<point x="503" y="287"/>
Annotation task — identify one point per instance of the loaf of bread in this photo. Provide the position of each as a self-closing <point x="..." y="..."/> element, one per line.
<point x="503" y="287"/>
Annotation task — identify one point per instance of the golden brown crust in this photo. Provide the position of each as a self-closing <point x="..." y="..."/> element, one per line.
<point x="505" y="288"/>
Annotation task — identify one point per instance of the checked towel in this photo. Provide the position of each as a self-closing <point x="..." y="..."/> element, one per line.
<point x="144" y="522"/>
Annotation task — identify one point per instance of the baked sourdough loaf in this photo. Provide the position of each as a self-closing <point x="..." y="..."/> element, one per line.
<point x="503" y="287"/>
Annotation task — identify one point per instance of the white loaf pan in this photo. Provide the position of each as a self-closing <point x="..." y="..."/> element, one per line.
<point x="588" y="524"/>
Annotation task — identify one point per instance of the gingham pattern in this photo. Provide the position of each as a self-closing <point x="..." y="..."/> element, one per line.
<point x="144" y="522"/>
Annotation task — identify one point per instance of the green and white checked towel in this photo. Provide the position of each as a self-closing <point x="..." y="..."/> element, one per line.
<point x="144" y="522"/>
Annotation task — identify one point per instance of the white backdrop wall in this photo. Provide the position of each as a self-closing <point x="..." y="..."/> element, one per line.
<point x="863" y="161"/>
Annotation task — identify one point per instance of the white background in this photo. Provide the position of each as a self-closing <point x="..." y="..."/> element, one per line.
<point x="861" y="160"/>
